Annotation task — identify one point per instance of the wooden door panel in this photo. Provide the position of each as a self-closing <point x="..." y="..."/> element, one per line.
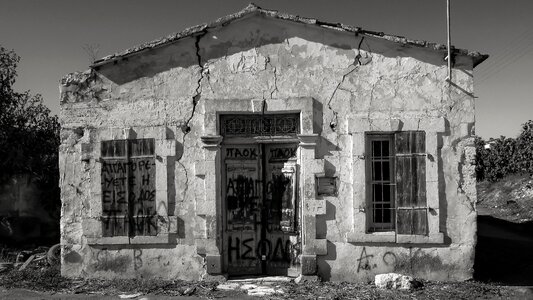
<point x="242" y="192"/>
<point x="281" y="208"/>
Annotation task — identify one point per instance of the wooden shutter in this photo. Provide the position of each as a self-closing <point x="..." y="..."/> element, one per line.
<point x="142" y="187"/>
<point x="115" y="221"/>
<point x="411" y="202"/>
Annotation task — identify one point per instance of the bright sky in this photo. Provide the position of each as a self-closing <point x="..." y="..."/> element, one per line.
<point x="50" y="35"/>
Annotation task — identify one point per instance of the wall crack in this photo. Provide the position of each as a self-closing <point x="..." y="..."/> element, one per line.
<point x="195" y="99"/>
<point x="352" y="67"/>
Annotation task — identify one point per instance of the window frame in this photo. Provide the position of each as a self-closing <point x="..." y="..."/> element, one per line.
<point x="395" y="140"/>
<point x="372" y="226"/>
<point x="358" y="128"/>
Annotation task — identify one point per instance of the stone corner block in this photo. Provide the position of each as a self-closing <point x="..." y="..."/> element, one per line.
<point x="316" y="166"/>
<point x="213" y="264"/>
<point x="167" y="147"/>
<point x="199" y="168"/>
<point x="205" y="246"/>
<point x="308" y="263"/>
<point x="315" y="207"/>
<point x="358" y="125"/>
<point x="172" y="224"/>
<point x="433" y="124"/>
<point x="204" y="208"/>
<point x="257" y="105"/>
<point x="92" y="228"/>
<point x="86" y="151"/>
<point x="316" y="247"/>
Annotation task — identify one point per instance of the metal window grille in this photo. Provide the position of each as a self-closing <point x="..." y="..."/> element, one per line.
<point x="382" y="183"/>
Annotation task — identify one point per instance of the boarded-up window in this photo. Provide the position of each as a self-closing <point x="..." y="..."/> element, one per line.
<point x="397" y="182"/>
<point x="128" y="188"/>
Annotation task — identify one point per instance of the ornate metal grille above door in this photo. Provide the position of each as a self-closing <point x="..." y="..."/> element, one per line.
<point x="260" y="125"/>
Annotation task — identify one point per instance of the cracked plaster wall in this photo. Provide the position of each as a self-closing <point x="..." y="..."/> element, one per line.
<point x="259" y="58"/>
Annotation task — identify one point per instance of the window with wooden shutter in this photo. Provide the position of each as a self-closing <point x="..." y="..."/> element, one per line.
<point x="411" y="211"/>
<point x="128" y="188"/>
<point x="396" y="182"/>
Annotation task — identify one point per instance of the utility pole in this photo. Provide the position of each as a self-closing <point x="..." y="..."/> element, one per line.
<point x="449" y="57"/>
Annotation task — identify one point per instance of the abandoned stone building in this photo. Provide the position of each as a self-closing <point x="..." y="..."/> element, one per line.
<point x="265" y="143"/>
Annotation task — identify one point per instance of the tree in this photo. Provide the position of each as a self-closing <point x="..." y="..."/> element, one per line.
<point x="29" y="135"/>
<point x="497" y="158"/>
<point x="524" y="149"/>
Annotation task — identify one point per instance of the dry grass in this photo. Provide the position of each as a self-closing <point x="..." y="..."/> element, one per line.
<point x="48" y="279"/>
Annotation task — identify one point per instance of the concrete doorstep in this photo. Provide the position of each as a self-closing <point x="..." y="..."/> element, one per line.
<point x="260" y="286"/>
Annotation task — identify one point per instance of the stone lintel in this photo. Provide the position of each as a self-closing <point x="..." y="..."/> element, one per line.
<point x="158" y="239"/>
<point x="432" y="238"/>
<point x="108" y="240"/>
<point x="377" y="237"/>
<point x="425" y="124"/>
<point x="391" y="237"/>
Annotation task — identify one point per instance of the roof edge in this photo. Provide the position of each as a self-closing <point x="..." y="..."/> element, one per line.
<point x="252" y="8"/>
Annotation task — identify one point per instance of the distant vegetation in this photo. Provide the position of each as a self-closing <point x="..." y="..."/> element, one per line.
<point x="497" y="158"/>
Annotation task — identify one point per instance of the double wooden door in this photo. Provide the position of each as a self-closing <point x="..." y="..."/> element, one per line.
<point x="261" y="208"/>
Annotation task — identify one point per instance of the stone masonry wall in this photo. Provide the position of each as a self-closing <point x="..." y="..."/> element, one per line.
<point x="353" y="79"/>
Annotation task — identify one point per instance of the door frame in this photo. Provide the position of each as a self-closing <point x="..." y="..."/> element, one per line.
<point x="262" y="162"/>
<point x="208" y="239"/>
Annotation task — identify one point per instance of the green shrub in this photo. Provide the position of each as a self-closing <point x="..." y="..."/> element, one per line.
<point x="497" y="158"/>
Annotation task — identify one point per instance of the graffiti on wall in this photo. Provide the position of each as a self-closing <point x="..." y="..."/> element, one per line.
<point x="398" y="262"/>
<point x="367" y="261"/>
<point x="128" y="197"/>
<point x="106" y="261"/>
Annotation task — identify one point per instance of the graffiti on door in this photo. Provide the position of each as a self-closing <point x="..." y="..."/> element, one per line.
<point x="260" y="197"/>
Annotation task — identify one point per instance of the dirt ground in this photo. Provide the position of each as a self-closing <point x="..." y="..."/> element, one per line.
<point x="45" y="283"/>
<point x="510" y="199"/>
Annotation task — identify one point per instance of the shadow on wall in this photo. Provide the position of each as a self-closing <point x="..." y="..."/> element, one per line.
<point x="504" y="252"/>
<point x="227" y="40"/>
